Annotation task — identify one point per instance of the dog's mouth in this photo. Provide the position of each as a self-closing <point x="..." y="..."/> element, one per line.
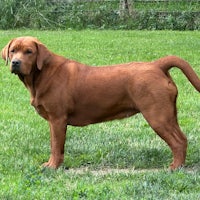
<point x="15" y="71"/>
<point x="18" y="72"/>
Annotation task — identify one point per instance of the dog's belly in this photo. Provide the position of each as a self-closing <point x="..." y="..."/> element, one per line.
<point x="86" y="118"/>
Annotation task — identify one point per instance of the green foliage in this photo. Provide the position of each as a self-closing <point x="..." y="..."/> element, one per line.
<point x="42" y="14"/>
<point x="118" y="160"/>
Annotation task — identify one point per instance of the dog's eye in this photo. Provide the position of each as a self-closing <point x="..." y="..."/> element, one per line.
<point x="12" y="51"/>
<point x="28" y="51"/>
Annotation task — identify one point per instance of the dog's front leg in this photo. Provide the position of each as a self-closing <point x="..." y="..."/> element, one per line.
<point x="58" y="129"/>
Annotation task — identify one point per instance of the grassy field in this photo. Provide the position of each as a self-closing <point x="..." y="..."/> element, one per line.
<point x="114" y="160"/>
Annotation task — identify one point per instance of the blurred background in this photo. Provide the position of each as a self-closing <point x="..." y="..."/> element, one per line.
<point x="100" y="14"/>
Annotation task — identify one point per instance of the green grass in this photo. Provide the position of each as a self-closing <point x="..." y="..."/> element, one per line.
<point x="93" y="153"/>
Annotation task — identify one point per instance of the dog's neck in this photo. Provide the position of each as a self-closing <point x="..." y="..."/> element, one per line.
<point x="29" y="83"/>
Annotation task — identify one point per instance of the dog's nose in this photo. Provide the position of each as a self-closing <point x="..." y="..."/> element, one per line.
<point x="15" y="66"/>
<point x="16" y="63"/>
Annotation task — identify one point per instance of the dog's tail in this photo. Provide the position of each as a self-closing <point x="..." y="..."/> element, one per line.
<point x="168" y="62"/>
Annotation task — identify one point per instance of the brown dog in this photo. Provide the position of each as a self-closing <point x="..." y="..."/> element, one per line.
<point x="66" y="92"/>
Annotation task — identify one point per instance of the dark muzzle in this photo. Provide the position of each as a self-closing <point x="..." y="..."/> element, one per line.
<point x="15" y="66"/>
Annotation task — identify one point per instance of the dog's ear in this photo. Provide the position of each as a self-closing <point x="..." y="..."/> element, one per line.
<point x="43" y="55"/>
<point x="5" y="52"/>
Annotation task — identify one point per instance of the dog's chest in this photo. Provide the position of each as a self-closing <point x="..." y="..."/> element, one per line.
<point x="39" y="108"/>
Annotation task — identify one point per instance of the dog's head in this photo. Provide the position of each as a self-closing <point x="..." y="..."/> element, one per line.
<point x="25" y="54"/>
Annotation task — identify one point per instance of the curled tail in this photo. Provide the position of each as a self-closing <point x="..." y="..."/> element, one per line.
<point x="168" y="62"/>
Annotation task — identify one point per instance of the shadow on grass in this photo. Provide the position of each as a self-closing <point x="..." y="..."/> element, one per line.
<point x="143" y="158"/>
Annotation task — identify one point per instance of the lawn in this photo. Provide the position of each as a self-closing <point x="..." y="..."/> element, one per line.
<point x="115" y="160"/>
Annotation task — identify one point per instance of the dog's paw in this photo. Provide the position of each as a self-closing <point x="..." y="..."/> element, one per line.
<point x="52" y="163"/>
<point x="174" y="167"/>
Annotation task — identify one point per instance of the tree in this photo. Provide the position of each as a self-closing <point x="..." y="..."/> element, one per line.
<point x="125" y="7"/>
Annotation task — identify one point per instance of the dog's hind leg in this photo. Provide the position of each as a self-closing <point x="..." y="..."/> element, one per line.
<point x="163" y="120"/>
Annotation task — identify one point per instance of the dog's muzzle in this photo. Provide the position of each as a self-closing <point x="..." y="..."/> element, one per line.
<point x="15" y="66"/>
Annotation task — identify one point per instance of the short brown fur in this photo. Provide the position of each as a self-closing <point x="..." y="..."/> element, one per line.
<point x="66" y="92"/>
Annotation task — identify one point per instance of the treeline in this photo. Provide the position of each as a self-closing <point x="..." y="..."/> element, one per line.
<point x="43" y="14"/>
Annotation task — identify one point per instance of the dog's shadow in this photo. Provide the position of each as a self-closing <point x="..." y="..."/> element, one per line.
<point x="114" y="154"/>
